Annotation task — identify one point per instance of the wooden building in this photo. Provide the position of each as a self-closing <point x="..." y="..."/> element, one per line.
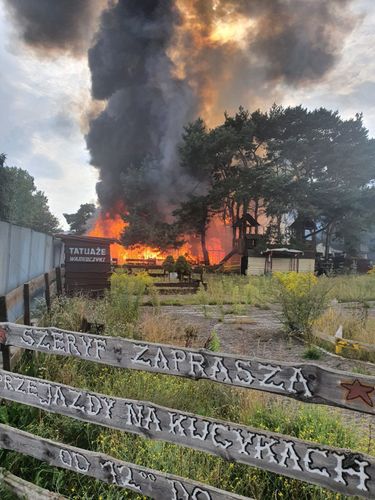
<point x="246" y="238"/>
<point x="87" y="263"/>
<point x="249" y="257"/>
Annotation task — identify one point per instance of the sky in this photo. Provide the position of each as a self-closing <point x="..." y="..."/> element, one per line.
<point x="43" y="104"/>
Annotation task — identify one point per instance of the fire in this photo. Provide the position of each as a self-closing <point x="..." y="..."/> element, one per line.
<point x="201" y="35"/>
<point x="235" y="31"/>
<point x="109" y="225"/>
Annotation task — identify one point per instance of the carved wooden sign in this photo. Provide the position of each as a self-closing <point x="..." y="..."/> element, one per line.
<point x="305" y="382"/>
<point x="87" y="254"/>
<point x="337" y="469"/>
<point x="132" y="477"/>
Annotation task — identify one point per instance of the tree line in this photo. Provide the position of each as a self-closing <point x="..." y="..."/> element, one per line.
<point x="21" y="202"/>
<point x="284" y="163"/>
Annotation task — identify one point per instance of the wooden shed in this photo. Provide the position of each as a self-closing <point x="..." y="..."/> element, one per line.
<point x="285" y="260"/>
<point x="87" y="263"/>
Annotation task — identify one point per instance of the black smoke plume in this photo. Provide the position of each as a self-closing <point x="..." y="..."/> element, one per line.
<point x="133" y="141"/>
<point x="55" y="25"/>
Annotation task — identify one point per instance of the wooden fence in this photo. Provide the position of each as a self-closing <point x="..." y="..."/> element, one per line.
<point x="50" y="284"/>
<point x="340" y="470"/>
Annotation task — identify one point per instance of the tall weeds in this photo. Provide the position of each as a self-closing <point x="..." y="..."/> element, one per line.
<point x="303" y="298"/>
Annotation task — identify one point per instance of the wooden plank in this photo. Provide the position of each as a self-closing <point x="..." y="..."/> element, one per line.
<point x="24" y="489"/>
<point x="14" y="297"/>
<point x="52" y="275"/>
<point x="26" y="304"/>
<point x="126" y="475"/>
<point x="325" y="337"/>
<point x="305" y="382"/>
<point x="47" y="292"/>
<point x="36" y="284"/>
<point x="59" y="287"/>
<point x="184" y="284"/>
<point x="337" y="469"/>
<point x="5" y="349"/>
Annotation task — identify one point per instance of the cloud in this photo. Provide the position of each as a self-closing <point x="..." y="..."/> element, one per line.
<point x="41" y="103"/>
<point x="42" y="167"/>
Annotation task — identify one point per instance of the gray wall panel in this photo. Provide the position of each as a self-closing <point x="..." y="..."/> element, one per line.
<point x="24" y="255"/>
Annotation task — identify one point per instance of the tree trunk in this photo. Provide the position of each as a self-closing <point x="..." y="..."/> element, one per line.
<point x="279" y="229"/>
<point x="328" y="241"/>
<point x="206" y="256"/>
<point x="256" y="210"/>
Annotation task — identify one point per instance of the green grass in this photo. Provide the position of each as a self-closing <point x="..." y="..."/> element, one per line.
<point x="260" y="291"/>
<point x="312" y="352"/>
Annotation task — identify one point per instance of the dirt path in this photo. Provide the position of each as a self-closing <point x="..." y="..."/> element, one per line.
<point x="255" y="332"/>
<point x="258" y="332"/>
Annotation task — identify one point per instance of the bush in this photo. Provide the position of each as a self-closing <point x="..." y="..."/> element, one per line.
<point x="303" y="298"/>
<point x="169" y="264"/>
<point x="125" y="297"/>
<point x="182" y="267"/>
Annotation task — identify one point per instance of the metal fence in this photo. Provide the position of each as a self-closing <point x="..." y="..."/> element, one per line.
<point x="24" y="255"/>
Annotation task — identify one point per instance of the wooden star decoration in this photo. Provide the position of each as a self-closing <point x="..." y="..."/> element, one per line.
<point x="3" y="335"/>
<point x="358" y="390"/>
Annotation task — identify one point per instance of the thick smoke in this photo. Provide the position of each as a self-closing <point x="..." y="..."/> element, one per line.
<point x="55" y="25"/>
<point x="156" y="64"/>
<point x="133" y="141"/>
<point x="287" y="43"/>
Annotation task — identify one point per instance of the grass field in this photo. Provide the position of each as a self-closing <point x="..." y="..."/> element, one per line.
<point x="260" y="290"/>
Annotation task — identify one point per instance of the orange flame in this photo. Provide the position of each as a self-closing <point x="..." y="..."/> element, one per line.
<point x="219" y="242"/>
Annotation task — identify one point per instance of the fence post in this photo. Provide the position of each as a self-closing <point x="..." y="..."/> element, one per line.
<point x="58" y="281"/>
<point x="26" y="304"/>
<point x="4" y="348"/>
<point x="47" y="292"/>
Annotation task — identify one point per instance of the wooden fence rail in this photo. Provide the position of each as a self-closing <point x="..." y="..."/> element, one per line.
<point x="305" y="382"/>
<point x="25" y="490"/>
<point x="337" y="469"/>
<point x="108" y="469"/>
<point x="50" y="283"/>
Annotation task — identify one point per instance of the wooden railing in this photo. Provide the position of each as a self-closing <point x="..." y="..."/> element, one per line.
<point x="50" y="284"/>
<point x="340" y="470"/>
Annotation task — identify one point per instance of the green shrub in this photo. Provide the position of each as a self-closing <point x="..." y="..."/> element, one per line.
<point x="303" y="298"/>
<point x="214" y="342"/>
<point x="125" y="297"/>
<point x="169" y="264"/>
<point x="182" y="267"/>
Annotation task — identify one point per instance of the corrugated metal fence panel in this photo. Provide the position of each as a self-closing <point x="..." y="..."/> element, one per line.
<point x="4" y="255"/>
<point x="24" y="255"/>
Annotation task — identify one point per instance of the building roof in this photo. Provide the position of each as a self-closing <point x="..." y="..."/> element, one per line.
<point x="83" y="238"/>
<point x="247" y="218"/>
<point x="305" y="222"/>
<point x="289" y="251"/>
